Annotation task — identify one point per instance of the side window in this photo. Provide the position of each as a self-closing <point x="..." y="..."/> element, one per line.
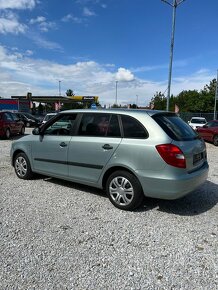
<point x="99" y="125"/>
<point x="114" y="128"/>
<point x="62" y="125"/>
<point x="94" y="124"/>
<point x="8" y="117"/>
<point x="132" y="128"/>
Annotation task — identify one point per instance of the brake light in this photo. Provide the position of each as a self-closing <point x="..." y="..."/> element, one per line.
<point x="172" y="155"/>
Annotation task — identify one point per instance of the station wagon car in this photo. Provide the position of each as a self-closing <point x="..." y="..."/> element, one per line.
<point x="129" y="153"/>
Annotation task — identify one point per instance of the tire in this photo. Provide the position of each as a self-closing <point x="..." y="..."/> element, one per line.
<point x="215" y="140"/>
<point x="124" y="190"/>
<point x="7" y="133"/>
<point x="27" y="124"/>
<point x="22" y="166"/>
<point x="22" y="131"/>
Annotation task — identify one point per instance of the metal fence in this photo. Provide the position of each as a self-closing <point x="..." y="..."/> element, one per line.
<point x="188" y="115"/>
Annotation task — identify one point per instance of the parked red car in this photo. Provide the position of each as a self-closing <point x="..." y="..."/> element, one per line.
<point x="209" y="132"/>
<point x="10" y="124"/>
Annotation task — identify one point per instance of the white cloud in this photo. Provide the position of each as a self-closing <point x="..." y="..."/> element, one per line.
<point x="44" y="43"/>
<point x="38" y="19"/>
<point x="17" y="4"/>
<point x="11" y="26"/>
<point x="88" y="12"/>
<point x="20" y="74"/>
<point x="71" y="17"/>
<point x="124" y="75"/>
<point x="42" y="23"/>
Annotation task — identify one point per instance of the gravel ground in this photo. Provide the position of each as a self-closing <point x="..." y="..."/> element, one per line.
<point x="59" y="235"/>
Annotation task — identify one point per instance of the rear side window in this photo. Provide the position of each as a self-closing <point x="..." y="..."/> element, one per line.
<point x="133" y="128"/>
<point x="175" y="127"/>
<point x="99" y="125"/>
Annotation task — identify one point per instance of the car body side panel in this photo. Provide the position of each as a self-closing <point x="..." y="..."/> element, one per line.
<point x="49" y="156"/>
<point x="87" y="157"/>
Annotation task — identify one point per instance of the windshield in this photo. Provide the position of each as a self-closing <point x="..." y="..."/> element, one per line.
<point x="48" y="117"/>
<point x="198" y="121"/>
<point x="175" y="127"/>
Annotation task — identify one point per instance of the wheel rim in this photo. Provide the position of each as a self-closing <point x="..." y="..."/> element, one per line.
<point x="8" y="134"/>
<point x="215" y="140"/>
<point x="21" y="166"/>
<point x="121" y="191"/>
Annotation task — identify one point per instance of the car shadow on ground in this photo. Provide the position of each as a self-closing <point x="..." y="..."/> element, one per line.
<point x="195" y="203"/>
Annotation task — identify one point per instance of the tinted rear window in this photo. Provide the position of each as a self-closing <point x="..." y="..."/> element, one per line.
<point x="175" y="127"/>
<point x="132" y="128"/>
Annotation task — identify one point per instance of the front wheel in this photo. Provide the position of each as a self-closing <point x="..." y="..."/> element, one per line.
<point x="215" y="140"/>
<point x="22" y="131"/>
<point x="22" y="166"/>
<point x="124" y="190"/>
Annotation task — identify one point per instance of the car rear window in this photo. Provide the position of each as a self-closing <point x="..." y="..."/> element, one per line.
<point x="175" y="127"/>
<point x="198" y="121"/>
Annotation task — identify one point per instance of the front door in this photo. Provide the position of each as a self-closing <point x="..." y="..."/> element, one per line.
<point x="50" y="150"/>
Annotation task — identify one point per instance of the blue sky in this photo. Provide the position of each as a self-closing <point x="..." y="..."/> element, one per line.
<point x="88" y="45"/>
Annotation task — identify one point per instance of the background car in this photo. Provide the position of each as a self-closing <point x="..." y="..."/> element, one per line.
<point x="48" y="117"/>
<point x="129" y="153"/>
<point x="196" y="122"/>
<point x="28" y="119"/>
<point x="10" y="124"/>
<point x="209" y="132"/>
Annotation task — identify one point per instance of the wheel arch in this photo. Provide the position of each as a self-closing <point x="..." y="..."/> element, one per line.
<point x="113" y="169"/>
<point x="14" y="155"/>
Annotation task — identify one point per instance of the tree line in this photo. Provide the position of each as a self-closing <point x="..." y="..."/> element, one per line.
<point x="188" y="100"/>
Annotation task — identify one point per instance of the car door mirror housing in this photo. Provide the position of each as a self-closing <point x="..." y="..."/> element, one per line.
<point x="37" y="131"/>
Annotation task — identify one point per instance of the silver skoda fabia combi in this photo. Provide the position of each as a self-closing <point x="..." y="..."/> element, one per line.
<point x="129" y="153"/>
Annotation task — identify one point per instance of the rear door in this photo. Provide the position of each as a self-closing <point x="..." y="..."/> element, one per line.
<point x="90" y="150"/>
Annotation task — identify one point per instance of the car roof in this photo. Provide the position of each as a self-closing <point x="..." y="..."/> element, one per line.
<point x="118" y="111"/>
<point x="200" y="118"/>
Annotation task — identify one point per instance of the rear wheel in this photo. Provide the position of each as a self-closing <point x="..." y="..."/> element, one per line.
<point x="22" y="131"/>
<point x="215" y="140"/>
<point x="22" y="166"/>
<point x="7" y="134"/>
<point x="124" y="190"/>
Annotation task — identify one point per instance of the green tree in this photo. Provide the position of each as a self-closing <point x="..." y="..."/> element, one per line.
<point x="70" y="93"/>
<point x="159" y="101"/>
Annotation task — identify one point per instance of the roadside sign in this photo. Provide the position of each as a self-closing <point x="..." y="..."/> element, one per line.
<point x="93" y="106"/>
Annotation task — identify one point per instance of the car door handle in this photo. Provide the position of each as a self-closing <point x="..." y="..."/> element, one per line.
<point x="107" y="147"/>
<point x="63" y="144"/>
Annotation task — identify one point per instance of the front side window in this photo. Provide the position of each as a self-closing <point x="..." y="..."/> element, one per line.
<point x="132" y="128"/>
<point x="63" y="125"/>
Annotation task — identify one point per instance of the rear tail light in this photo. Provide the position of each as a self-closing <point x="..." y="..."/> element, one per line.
<point x="172" y="155"/>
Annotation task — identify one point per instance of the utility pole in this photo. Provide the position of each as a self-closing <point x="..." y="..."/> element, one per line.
<point x="175" y="4"/>
<point x="116" y="94"/>
<point x="216" y="97"/>
<point x="59" y="82"/>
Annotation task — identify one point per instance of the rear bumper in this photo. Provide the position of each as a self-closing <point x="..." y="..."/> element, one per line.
<point x="172" y="187"/>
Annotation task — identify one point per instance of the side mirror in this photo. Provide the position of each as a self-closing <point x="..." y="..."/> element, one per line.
<point x="36" y="131"/>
